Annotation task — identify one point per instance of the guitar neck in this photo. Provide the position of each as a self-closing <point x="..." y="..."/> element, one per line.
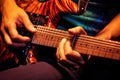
<point x="82" y="43"/>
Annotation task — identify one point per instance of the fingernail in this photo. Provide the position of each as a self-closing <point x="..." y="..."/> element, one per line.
<point x="34" y="29"/>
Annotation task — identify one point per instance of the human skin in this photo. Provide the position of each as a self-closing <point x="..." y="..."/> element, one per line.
<point x="64" y="50"/>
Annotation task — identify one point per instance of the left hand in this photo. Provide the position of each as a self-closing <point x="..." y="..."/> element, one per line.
<point x="66" y="55"/>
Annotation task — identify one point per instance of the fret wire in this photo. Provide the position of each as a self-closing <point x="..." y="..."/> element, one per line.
<point x="81" y="39"/>
<point x="59" y="33"/>
<point x="101" y="41"/>
<point x="88" y="38"/>
<point x="85" y="39"/>
<point x="53" y="33"/>
<point x="104" y="49"/>
<point x="98" y="52"/>
<point x="95" y="42"/>
<point x="65" y="33"/>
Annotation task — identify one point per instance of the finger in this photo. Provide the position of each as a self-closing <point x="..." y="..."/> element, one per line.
<point x="6" y="36"/>
<point x="73" y="55"/>
<point x="76" y="57"/>
<point x="14" y="34"/>
<point x="28" y="25"/>
<point x="17" y="45"/>
<point x="62" y="56"/>
<point x="60" y="50"/>
<point x="68" y="63"/>
<point x="77" y="30"/>
<point x="67" y="47"/>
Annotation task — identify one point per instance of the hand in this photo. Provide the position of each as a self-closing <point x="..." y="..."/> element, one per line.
<point x="66" y="55"/>
<point x="13" y="17"/>
<point x="111" y="30"/>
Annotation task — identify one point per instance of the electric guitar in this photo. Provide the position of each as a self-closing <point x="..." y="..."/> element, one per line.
<point x="51" y="10"/>
<point x="82" y="43"/>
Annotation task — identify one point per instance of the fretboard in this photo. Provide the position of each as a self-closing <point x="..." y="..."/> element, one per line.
<point x="82" y="43"/>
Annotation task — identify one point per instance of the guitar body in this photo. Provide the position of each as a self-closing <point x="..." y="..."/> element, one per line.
<point x="46" y="13"/>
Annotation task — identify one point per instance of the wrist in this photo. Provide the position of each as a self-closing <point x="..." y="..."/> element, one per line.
<point x="104" y="34"/>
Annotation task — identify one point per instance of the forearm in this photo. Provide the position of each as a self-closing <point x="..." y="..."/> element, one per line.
<point x="112" y="30"/>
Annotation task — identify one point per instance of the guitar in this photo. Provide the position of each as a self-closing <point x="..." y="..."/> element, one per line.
<point x="82" y="43"/>
<point x="52" y="10"/>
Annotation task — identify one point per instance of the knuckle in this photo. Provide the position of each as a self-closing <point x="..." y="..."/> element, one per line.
<point x="8" y="24"/>
<point x="14" y="36"/>
<point x="8" y="43"/>
<point x="63" y="59"/>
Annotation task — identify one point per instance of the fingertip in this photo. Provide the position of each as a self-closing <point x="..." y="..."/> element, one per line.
<point x="31" y="28"/>
<point x="28" y="25"/>
<point x="8" y="40"/>
<point x="64" y="39"/>
<point x="23" y="38"/>
<point x="77" y="30"/>
<point x="72" y="30"/>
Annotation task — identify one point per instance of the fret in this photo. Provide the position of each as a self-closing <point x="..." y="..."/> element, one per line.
<point x="90" y="51"/>
<point x="102" y="51"/>
<point x="95" y="52"/>
<point x="83" y="44"/>
<point x="100" y="41"/>
<point x="116" y="56"/>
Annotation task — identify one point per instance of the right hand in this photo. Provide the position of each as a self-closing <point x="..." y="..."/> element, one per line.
<point x="13" y="17"/>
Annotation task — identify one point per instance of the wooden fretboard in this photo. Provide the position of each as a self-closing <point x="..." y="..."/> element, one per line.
<point x="84" y="44"/>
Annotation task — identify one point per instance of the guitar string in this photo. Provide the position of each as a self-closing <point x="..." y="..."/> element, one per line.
<point x="78" y="37"/>
<point x="65" y="34"/>
<point x="108" y="42"/>
<point x="109" y="51"/>
<point x="60" y="33"/>
<point x="102" y="50"/>
<point x="53" y="31"/>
